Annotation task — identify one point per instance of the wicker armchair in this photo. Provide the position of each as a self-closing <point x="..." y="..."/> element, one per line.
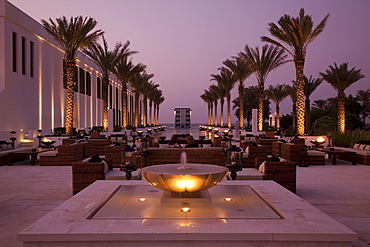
<point x="98" y="145"/>
<point x="253" y="152"/>
<point x="283" y="173"/>
<point x="85" y="173"/>
<point x="64" y="156"/>
<point x="267" y="142"/>
<point x="210" y="155"/>
<point x="114" y="153"/>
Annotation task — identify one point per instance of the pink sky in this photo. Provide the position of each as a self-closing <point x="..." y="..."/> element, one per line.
<point x="184" y="42"/>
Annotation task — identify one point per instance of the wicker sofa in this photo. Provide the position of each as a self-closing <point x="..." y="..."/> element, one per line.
<point x="98" y="145"/>
<point x="85" y="173"/>
<point x="210" y="155"/>
<point x="282" y="172"/>
<point x="251" y="152"/>
<point x="362" y="156"/>
<point x="65" y="155"/>
<point x="292" y="152"/>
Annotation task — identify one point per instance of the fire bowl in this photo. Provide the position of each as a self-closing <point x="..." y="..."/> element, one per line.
<point x="176" y="178"/>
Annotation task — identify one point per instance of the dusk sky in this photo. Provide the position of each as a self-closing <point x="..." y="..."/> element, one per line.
<point x="184" y="42"/>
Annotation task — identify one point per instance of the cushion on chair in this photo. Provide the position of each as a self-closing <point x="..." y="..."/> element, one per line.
<point x="49" y="153"/>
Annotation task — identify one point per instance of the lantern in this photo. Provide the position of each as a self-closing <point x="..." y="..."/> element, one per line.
<point x="234" y="160"/>
<point x="128" y="161"/>
<point x="144" y="144"/>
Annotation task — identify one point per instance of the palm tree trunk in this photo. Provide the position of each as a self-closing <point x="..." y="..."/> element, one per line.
<point x="158" y="114"/>
<point x="211" y="123"/>
<point x="241" y="104"/>
<point x="145" y="111"/>
<point x="261" y="88"/>
<point x="137" y="110"/>
<point x="155" y="114"/>
<point x="69" y="68"/>
<point x="105" y="85"/>
<point x="222" y="101"/>
<point x="215" y="119"/>
<point x="308" y="114"/>
<point x="277" y="122"/>
<point x="294" y="113"/>
<point x="209" y="114"/>
<point x="124" y="105"/>
<point x="228" y="98"/>
<point x="299" y="65"/>
<point x="341" y="112"/>
<point x="150" y="113"/>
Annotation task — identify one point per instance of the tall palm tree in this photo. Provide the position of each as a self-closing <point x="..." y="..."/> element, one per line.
<point x="340" y="78"/>
<point x="293" y="96"/>
<point x="277" y="93"/>
<point x="125" y="70"/>
<point x="72" y="35"/>
<point x="296" y="33"/>
<point x="206" y="98"/>
<point x="250" y="102"/>
<point x="310" y="85"/>
<point x="241" y="71"/>
<point x="220" y="94"/>
<point x="216" y="91"/>
<point x="320" y="104"/>
<point x="364" y="98"/>
<point x="157" y="102"/>
<point x="138" y="82"/>
<point x="146" y="90"/>
<point x="152" y="95"/>
<point x="262" y="63"/>
<point x="227" y="80"/>
<point x="106" y="60"/>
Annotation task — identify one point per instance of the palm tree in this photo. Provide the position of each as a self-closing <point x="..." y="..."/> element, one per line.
<point x="320" y="104"/>
<point x="310" y="85"/>
<point x="152" y="95"/>
<point x="106" y="60"/>
<point x="277" y="94"/>
<point x="227" y="80"/>
<point x="206" y="98"/>
<point x="157" y="102"/>
<point x="138" y="82"/>
<point x="364" y="98"/>
<point x="220" y="93"/>
<point x="217" y="93"/>
<point x="125" y="70"/>
<point x="296" y="33"/>
<point x="72" y="35"/>
<point x="241" y="71"/>
<point x="340" y="78"/>
<point x="293" y="96"/>
<point x="262" y="63"/>
<point x="146" y="90"/>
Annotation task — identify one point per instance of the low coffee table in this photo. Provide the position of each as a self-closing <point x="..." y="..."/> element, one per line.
<point x="336" y="152"/>
<point x="27" y="153"/>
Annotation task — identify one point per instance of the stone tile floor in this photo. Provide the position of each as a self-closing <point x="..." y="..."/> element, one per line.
<point x="29" y="192"/>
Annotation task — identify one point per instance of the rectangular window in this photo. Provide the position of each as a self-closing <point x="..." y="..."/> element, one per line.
<point x="75" y="79"/>
<point x="23" y="55"/>
<point x="31" y="58"/>
<point x="98" y="87"/>
<point x="14" y="51"/>
<point x="117" y="98"/>
<point x="88" y="83"/>
<point x="82" y="80"/>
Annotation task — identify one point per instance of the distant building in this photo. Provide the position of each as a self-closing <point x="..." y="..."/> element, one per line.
<point x="182" y="117"/>
<point x="32" y="94"/>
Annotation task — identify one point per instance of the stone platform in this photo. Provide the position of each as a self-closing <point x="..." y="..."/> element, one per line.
<point x="300" y="224"/>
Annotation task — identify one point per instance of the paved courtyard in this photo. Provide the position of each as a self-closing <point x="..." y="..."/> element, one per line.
<point x="29" y="192"/>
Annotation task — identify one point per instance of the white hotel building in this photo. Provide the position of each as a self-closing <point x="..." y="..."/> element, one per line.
<point x="32" y="95"/>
